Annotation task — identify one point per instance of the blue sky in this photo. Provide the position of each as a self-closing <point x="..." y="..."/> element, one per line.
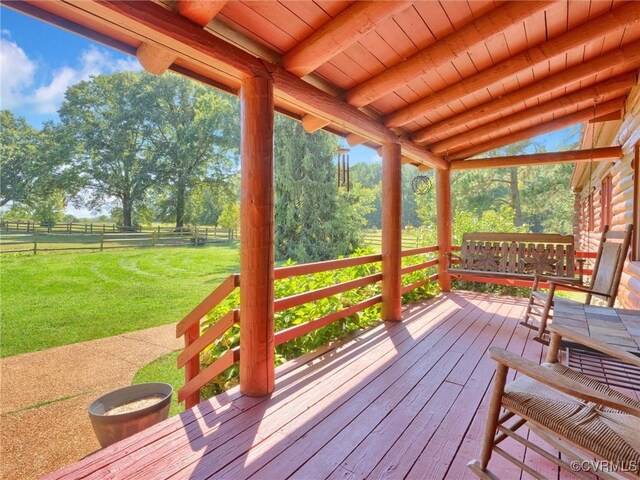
<point x="43" y="60"/>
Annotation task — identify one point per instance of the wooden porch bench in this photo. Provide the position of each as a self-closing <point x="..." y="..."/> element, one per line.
<point x="517" y="256"/>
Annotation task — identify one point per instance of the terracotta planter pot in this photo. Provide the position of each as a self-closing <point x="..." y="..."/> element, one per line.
<point x="112" y="428"/>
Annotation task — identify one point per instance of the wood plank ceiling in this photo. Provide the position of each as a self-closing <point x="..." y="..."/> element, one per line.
<point x="455" y="78"/>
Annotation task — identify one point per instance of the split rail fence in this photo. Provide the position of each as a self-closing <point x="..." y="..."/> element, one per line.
<point x="25" y="237"/>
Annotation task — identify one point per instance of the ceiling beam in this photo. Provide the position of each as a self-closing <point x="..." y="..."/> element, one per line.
<point x="628" y="55"/>
<point x="157" y="60"/>
<point x="152" y="22"/>
<point x="618" y="19"/>
<point x="312" y="124"/>
<point x="444" y="50"/>
<point x="573" y="156"/>
<point x="557" y="124"/>
<point x="613" y="87"/>
<point x="608" y="117"/>
<point x="200" y="12"/>
<point x="338" y="34"/>
<point x="354" y="140"/>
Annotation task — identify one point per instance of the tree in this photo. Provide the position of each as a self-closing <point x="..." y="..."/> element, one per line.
<point x="105" y="117"/>
<point x="195" y="135"/>
<point x="230" y="216"/>
<point x="313" y="220"/>
<point x="18" y="165"/>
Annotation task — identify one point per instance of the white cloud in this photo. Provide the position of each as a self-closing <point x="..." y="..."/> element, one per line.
<point x="18" y="89"/>
<point x="16" y="72"/>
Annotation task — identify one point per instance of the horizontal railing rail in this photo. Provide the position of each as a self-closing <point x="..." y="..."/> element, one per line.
<point x="196" y="342"/>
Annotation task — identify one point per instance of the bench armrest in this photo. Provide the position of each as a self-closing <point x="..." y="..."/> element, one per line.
<point x="558" y="382"/>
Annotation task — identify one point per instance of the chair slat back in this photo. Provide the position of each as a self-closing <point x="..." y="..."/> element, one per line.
<point x="607" y="271"/>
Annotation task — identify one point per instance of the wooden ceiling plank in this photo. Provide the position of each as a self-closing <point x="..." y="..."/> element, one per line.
<point x="616" y="20"/>
<point x="187" y="39"/>
<point x="445" y="50"/>
<point x="574" y="156"/>
<point x="338" y="34"/>
<point x="614" y="86"/>
<point x="629" y="55"/>
<point x="557" y="124"/>
<point x="157" y="60"/>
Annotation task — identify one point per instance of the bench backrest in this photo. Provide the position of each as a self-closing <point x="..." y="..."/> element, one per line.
<point x="521" y="253"/>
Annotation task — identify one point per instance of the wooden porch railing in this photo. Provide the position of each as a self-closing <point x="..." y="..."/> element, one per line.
<point x="195" y="343"/>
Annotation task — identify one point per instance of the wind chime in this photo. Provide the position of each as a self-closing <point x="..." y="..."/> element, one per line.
<point x="343" y="168"/>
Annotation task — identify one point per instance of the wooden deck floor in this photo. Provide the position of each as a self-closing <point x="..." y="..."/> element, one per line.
<point x="403" y="400"/>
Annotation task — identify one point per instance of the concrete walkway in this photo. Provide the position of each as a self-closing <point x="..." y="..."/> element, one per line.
<point x="44" y="397"/>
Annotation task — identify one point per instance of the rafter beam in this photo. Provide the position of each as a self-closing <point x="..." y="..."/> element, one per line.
<point x="354" y="140"/>
<point x="574" y="156"/>
<point x="312" y="124"/>
<point x="619" y="19"/>
<point x="480" y="30"/>
<point x="612" y="87"/>
<point x="152" y="22"/>
<point x="200" y="12"/>
<point x="156" y="59"/>
<point x="338" y="34"/>
<point x="608" y="117"/>
<point x="628" y="55"/>
<point x="557" y="124"/>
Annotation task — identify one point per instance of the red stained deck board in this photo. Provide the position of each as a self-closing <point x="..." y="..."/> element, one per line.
<point x="363" y="419"/>
<point x="375" y="376"/>
<point x="436" y="457"/>
<point x="470" y="446"/>
<point x="257" y="423"/>
<point x="406" y="399"/>
<point x="402" y="413"/>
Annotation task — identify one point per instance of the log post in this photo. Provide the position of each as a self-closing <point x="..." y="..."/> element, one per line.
<point x="257" y="369"/>
<point x="391" y="232"/>
<point x="443" y="208"/>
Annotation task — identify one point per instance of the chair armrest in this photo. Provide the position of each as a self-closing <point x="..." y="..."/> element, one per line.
<point x="611" y="350"/>
<point x="558" y="382"/>
<point x="577" y="288"/>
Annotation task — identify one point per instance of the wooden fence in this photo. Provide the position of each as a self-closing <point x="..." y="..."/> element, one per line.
<point x="195" y="343"/>
<point x="36" y="241"/>
<point x="78" y="228"/>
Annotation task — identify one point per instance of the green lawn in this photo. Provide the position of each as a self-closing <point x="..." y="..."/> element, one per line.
<point x="58" y="299"/>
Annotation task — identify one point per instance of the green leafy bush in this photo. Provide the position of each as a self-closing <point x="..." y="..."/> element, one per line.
<point x="311" y="311"/>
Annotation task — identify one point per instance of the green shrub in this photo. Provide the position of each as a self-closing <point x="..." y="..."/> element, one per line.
<point x="311" y="311"/>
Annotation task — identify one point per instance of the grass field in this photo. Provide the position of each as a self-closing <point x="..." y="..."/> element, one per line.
<point x="53" y="300"/>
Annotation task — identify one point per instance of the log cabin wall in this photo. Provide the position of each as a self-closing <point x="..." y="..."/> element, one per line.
<point x="588" y="184"/>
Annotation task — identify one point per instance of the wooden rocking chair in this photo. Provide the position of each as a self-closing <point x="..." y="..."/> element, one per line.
<point x="580" y="417"/>
<point x="605" y="280"/>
